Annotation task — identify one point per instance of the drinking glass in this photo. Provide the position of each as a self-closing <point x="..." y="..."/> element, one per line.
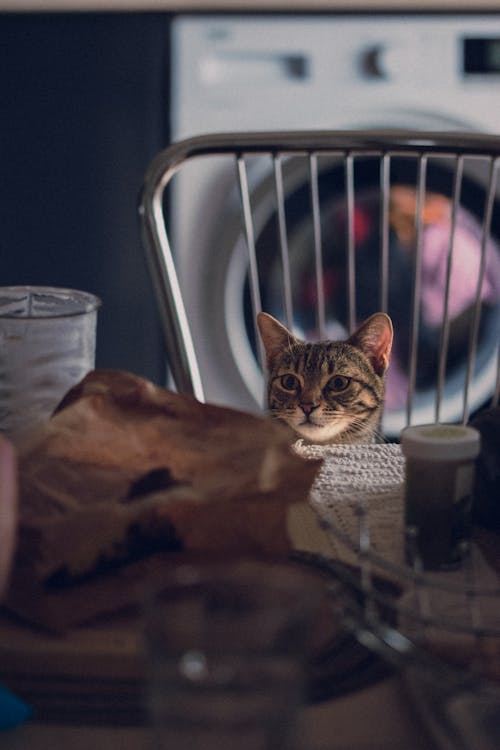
<point x="47" y="344"/>
<point x="226" y="655"/>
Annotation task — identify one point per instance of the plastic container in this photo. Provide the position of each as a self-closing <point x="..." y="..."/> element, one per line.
<point x="440" y="469"/>
<point x="47" y="345"/>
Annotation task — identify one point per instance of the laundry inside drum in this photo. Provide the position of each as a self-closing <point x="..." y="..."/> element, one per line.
<point x="359" y="281"/>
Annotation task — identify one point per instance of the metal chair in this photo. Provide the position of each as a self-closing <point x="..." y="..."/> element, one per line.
<point x="333" y="226"/>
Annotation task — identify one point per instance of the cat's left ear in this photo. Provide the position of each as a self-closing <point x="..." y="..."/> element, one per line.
<point x="374" y="338"/>
<point x="275" y="337"/>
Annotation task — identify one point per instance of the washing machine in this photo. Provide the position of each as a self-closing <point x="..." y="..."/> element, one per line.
<point x="265" y="72"/>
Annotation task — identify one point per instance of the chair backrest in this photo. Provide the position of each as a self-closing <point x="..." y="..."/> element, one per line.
<point x="331" y="227"/>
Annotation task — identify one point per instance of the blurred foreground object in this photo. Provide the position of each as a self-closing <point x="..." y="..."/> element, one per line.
<point x="8" y="509"/>
<point x="486" y="509"/>
<point x="126" y="468"/>
<point x="226" y="653"/>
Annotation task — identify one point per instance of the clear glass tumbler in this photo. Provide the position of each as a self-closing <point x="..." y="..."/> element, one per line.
<point x="226" y="655"/>
<point x="47" y="344"/>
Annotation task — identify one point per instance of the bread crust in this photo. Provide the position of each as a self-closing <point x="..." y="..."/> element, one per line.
<point x="225" y="478"/>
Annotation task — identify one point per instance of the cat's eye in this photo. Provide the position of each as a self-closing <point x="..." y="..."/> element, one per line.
<point x="290" y="382"/>
<point x="338" y="383"/>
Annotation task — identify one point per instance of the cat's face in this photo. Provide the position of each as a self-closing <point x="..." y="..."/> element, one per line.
<point x="328" y="392"/>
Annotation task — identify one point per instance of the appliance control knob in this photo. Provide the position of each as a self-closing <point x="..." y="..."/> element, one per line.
<point x="387" y="62"/>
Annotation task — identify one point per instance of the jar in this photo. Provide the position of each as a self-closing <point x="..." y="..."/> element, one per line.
<point x="439" y="484"/>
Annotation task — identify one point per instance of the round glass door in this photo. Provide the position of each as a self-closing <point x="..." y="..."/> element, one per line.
<point x="366" y="273"/>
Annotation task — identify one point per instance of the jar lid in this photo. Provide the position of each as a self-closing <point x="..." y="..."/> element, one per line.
<point x="440" y="441"/>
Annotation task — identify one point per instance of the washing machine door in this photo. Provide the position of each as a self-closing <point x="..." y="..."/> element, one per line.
<point x="229" y="277"/>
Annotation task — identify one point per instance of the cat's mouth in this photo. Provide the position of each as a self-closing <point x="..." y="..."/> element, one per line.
<point x="309" y="421"/>
<point x="320" y="432"/>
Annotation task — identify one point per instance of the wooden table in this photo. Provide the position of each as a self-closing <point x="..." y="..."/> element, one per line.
<point x="376" y="718"/>
<point x="86" y="685"/>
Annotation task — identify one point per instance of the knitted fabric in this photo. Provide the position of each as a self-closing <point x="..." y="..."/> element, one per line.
<point x="356" y="478"/>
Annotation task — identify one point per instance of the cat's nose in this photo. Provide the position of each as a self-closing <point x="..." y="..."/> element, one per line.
<point x="308" y="407"/>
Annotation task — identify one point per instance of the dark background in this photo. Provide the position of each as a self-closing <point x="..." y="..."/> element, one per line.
<point x="84" y="100"/>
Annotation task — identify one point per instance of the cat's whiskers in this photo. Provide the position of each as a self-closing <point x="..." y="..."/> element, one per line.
<point x="378" y="436"/>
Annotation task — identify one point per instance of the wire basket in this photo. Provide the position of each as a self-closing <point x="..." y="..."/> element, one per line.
<point x="440" y="629"/>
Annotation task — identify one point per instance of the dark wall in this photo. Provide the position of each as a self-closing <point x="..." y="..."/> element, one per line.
<point x="84" y="102"/>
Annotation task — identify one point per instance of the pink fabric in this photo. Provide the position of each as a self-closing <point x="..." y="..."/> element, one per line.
<point x="464" y="279"/>
<point x="466" y="260"/>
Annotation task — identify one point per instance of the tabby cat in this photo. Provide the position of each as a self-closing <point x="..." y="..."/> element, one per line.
<point x="328" y="391"/>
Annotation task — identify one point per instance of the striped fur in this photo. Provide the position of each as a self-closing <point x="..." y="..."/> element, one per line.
<point x="330" y="391"/>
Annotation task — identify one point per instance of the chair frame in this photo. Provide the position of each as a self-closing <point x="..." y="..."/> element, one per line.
<point x="312" y="144"/>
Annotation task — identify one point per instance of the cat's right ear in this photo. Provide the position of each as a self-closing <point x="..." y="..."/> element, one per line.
<point x="275" y="337"/>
